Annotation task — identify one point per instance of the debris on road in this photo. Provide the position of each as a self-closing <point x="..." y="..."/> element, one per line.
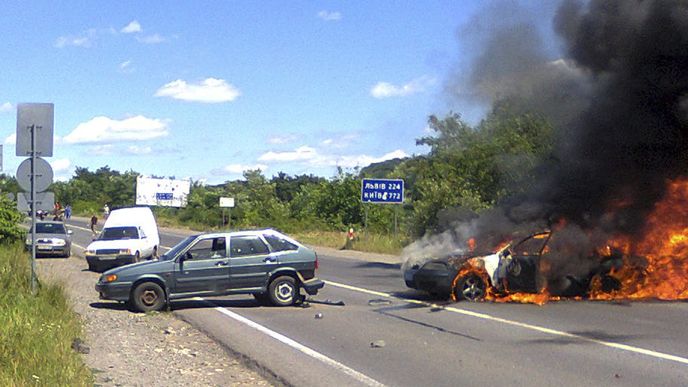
<point x="377" y="344"/>
<point x="326" y="302"/>
<point x="318" y="316"/>
<point x="379" y="302"/>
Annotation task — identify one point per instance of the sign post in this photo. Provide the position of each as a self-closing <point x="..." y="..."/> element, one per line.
<point x="226" y="203"/>
<point x="382" y="191"/>
<point x="34" y="139"/>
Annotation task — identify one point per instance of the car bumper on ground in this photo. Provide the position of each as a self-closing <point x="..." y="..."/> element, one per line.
<point x="117" y="291"/>
<point x="312" y="286"/>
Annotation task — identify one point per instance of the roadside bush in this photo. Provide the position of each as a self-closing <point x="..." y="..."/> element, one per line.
<point x="10" y="218"/>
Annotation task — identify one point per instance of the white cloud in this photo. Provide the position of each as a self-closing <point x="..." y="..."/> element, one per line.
<point x="139" y="150"/>
<point x="131" y="28"/>
<point x="60" y="165"/>
<point x="238" y="169"/>
<point x="328" y="141"/>
<point x="100" y="150"/>
<point x="85" y="40"/>
<point x="11" y="139"/>
<point x="125" y="67"/>
<point x="330" y="15"/>
<point x="281" y="139"/>
<point x="6" y="107"/>
<point x="386" y="90"/>
<point x="103" y="129"/>
<point x="151" y="39"/>
<point x="300" y="154"/>
<point x="211" y="90"/>
<point x="311" y="156"/>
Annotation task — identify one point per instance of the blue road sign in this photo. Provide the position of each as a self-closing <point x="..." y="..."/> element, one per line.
<point x="382" y="191"/>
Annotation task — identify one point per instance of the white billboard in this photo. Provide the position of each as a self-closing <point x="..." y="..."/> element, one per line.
<point x="162" y="192"/>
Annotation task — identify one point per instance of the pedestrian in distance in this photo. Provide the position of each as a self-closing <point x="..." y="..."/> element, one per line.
<point x="106" y="211"/>
<point x="94" y="222"/>
<point x="68" y="211"/>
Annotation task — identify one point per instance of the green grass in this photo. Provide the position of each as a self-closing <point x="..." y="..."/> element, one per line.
<point x="365" y="241"/>
<point x="36" y="332"/>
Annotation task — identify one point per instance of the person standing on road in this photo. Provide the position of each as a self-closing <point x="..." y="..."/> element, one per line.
<point x="68" y="211"/>
<point x="94" y="222"/>
<point x="106" y="211"/>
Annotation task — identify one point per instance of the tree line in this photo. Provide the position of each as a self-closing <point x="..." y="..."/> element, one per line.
<point x="467" y="169"/>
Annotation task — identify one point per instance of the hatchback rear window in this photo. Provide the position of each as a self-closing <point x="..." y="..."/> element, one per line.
<point x="280" y="244"/>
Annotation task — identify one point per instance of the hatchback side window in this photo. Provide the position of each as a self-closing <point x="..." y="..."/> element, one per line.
<point x="280" y="244"/>
<point x="247" y="245"/>
<point x="211" y="248"/>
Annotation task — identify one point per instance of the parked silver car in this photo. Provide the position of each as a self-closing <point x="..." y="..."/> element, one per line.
<point x="52" y="238"/>
<point x="265" y="263"/>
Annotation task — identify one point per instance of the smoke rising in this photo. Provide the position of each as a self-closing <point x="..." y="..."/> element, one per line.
<point x="618" y="100"/>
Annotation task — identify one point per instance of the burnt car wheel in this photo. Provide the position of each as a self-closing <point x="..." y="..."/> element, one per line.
<point x="148" y="297"/>
<point x="283" y="291"/>
<point x="471" y="288"/>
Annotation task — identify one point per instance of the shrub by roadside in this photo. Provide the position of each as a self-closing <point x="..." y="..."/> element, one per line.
<point x="37" y="331"/>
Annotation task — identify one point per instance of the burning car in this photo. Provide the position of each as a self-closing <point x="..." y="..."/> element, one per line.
<point x="513" y="268"/>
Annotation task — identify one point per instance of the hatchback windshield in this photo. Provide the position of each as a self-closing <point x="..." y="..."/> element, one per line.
<point x="50" y="228"/>
<point x="177" y="248"/>
<point x="114" y="233"/>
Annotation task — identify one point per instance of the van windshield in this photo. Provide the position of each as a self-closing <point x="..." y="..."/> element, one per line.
<point x="116" y="233"/>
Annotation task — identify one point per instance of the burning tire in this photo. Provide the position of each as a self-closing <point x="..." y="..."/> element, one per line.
<point x="470" y="288"/>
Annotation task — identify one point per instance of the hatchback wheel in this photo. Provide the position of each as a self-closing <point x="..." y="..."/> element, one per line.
<point x="471" y="287"/>
<point x="283" y="291"/>
<point x="148" y="297"/>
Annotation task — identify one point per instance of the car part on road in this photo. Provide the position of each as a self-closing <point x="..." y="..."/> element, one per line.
<point x="148" y="297"/>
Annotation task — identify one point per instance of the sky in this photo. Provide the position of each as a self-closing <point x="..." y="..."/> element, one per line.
<point x="206" y="90"/>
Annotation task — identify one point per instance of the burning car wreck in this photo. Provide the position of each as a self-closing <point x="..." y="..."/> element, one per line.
<point x="513" y="268"/>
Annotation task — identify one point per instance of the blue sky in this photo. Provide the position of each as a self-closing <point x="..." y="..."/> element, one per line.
<point x="204" y="90"/>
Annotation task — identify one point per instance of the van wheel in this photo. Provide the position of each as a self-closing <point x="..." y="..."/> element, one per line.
<point x="155" y="254"/>
<point x="283" y="291"/>
<point x="137" y="257"/>
<point x="148" y="297"/>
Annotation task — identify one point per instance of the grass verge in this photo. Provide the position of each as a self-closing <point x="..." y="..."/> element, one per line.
<point x="36" y="332"/>
<point x="368" y="242"/>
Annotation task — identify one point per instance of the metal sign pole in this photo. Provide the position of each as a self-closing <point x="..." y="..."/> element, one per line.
<point x="33" y="210"/>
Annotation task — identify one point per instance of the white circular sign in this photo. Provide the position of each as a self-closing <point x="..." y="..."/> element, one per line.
<point x="42" y="170"/>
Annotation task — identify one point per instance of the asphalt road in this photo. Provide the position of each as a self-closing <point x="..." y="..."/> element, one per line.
<point x="387" y="334"/>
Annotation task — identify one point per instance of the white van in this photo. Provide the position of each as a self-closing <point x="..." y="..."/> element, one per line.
<point x="129" y="235"/>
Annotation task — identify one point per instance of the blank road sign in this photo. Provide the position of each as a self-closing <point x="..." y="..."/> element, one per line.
<point x="38" y="116"/>
<point x="42" y="170"/>
<point x="45" y="201"/>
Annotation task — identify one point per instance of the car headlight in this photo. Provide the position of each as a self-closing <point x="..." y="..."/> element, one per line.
<point x="90" y="252"/>
<point x="125" y="251"/>
<point x="110" y="278"/>
<point x="58" y="242"/>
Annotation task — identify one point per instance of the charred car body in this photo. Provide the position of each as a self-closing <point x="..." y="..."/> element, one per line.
<point x="514" y="268"/>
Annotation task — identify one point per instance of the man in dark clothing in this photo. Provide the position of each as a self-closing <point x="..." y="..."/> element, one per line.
<point x="94" y="222"/>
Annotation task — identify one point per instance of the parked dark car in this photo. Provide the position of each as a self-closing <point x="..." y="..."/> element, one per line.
<point x="265" y="263"/>
<point x="513" y="268"/>
<point x="52" y="239"/>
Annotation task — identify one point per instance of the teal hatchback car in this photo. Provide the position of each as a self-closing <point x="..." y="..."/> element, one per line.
<point x="265" y="263"/>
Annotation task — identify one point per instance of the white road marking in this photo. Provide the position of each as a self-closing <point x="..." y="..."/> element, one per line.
<point x="532" y="327"/>
<point x="298" y="346"/>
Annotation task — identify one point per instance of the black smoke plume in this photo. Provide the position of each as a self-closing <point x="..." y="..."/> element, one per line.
<point x="618" y="100"/>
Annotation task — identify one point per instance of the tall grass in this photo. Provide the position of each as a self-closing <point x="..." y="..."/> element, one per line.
<point x="36" y="332"/>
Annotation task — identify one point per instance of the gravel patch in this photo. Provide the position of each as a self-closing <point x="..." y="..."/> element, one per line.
<point x="123" y="348"/>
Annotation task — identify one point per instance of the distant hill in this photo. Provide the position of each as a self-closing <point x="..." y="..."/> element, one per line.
<point x="382" y="169"/>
